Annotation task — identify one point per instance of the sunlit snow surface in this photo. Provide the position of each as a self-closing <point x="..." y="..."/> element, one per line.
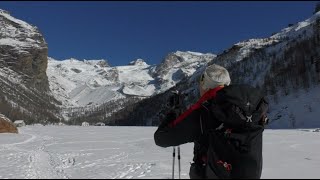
<point x="130" y="152"/>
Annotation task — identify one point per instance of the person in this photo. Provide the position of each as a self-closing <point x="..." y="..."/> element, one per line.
<point x="195" y="124"/>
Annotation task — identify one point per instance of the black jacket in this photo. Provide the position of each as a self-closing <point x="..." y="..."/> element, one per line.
<point x="194" y="128"/>
<point x="191" y="128"/>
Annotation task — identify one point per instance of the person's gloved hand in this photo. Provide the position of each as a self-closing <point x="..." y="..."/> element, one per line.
<point x="171" y="116"/>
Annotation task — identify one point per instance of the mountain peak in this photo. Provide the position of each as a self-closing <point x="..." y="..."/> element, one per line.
<point x="100" y="62"/>
<point x="138" y="62"/>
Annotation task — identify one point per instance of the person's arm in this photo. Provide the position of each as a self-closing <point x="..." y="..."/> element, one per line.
<point x="183" y="132"/>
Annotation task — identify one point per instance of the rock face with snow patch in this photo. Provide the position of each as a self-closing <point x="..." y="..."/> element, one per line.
<point x="6" y="126"/>
<point x="24" y="50"/>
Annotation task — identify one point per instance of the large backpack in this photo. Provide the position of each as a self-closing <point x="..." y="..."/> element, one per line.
<point x="235" y="146"/>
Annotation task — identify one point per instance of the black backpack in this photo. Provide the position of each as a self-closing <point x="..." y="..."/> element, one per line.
<point x="235" y="146"/>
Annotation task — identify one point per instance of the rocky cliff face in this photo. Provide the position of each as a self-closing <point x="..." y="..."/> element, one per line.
<point x="24" y="50"/>
<point x="24" y="86"/>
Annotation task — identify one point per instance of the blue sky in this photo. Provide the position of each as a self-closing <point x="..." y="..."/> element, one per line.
<point x="124" y="31"/>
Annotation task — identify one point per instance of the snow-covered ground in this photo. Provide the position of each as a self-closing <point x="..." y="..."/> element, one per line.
<point x="130" y="152"/>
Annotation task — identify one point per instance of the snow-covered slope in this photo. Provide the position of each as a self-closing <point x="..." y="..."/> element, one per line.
<point x="93" y="82"/>
<point x="72" y="152"/>
<point x="81" y="83"/>
<point x="136" y="80"/>
<point x="300" y="31"/>
<point x="299" y="109"/>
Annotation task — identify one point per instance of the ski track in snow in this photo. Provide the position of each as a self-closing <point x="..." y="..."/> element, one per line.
<point x="40" y="164"/>
<point x="41" y="157"/>
<point x="73" y="152"/>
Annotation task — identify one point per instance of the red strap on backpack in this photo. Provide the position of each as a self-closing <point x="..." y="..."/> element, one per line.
<point x="208" y="95"/>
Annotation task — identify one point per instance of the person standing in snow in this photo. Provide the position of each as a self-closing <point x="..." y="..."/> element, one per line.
<point x="227" y="133"/>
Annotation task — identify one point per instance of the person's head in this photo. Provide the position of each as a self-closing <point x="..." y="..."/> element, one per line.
<point x="212" y="77"/>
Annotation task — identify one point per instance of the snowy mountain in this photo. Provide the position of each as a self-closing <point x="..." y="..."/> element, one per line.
<point x="285" y="65"/>
<point x="82" y="83"/>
